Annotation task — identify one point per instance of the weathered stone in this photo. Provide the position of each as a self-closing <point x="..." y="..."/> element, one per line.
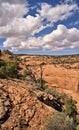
<point x="2" y="111"/>
<point x="5" y="105"/>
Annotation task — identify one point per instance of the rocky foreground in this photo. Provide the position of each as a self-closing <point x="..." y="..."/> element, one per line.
<point x="20" y="108"/>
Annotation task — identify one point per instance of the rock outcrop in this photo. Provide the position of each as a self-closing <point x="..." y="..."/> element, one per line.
<point x="20" y="108"/>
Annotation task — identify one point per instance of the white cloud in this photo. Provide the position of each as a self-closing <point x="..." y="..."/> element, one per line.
<point x="9" y="12"/>
<point x="31" y="43"/>
<point x="77" y="22"/>
<point x="13" y="1"/>
<point x="61" y="38"/>
<point x="20" y="32"/>
<point x="59" y="12"/>
<point x="13" y="25"/>
<point x="13" y="43"/>
<point x="21" y="27"/>
<point x="56" y="35"/>
<point x="68" y="1"/>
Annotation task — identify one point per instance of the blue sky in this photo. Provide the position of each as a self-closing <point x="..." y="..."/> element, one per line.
<point x="49" y="27"/>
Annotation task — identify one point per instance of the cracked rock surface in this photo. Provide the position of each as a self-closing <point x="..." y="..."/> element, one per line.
<point x="20" y="108"/>
<point x="5" y="105"/>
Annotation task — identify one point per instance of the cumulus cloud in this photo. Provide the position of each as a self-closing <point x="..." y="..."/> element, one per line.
<point x="20" y="32"/>
<point x="57" y="13"/>
<point x="21" y="27"/>
<point x="10" y="10"/>
<point x="61" y="38"/>
<point x="12" y="21"/>
<point x="77" y="22"/>
<point x="31" y="43"/>
<point x="13" y="1"/>
<point x="68" y="1"/>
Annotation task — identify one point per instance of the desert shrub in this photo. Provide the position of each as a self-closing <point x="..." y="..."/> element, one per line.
<point x="2" y="63"/>
<point x="27" y="72"/>
<point x="12" y="69"/>
<point x="21" y="77"/>
<point x="42" y="83"/>
<point x="8" y="69"/>
<point x="77" y="127"/>
<point x="60" y="121"/>
<point x="70" y="107"/>
<point x="2" y="72"/>
<point x="53" y="92"/>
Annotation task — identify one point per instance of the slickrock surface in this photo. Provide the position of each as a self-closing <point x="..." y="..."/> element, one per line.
<point x="5" y="105"/>
<point x="20" y="108"/>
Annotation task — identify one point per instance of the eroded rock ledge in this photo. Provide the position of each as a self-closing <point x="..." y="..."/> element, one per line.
<point x="20" y="108"/>
<point x="5" y="105"/>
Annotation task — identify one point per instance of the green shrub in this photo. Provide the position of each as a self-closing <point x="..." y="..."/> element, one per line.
<point x="12" y="69"/>
<point x="2" y="63"/>
<point x="53" y="92"/>
<point x="60" y="121"/>
<point x="27" y="72"/>
<point x="70" y="107"/>
<point x="42" y="83"/>
<point x="77" y="128"/>
<point x="2" y="72"/>
<point x="8" y="69"/>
